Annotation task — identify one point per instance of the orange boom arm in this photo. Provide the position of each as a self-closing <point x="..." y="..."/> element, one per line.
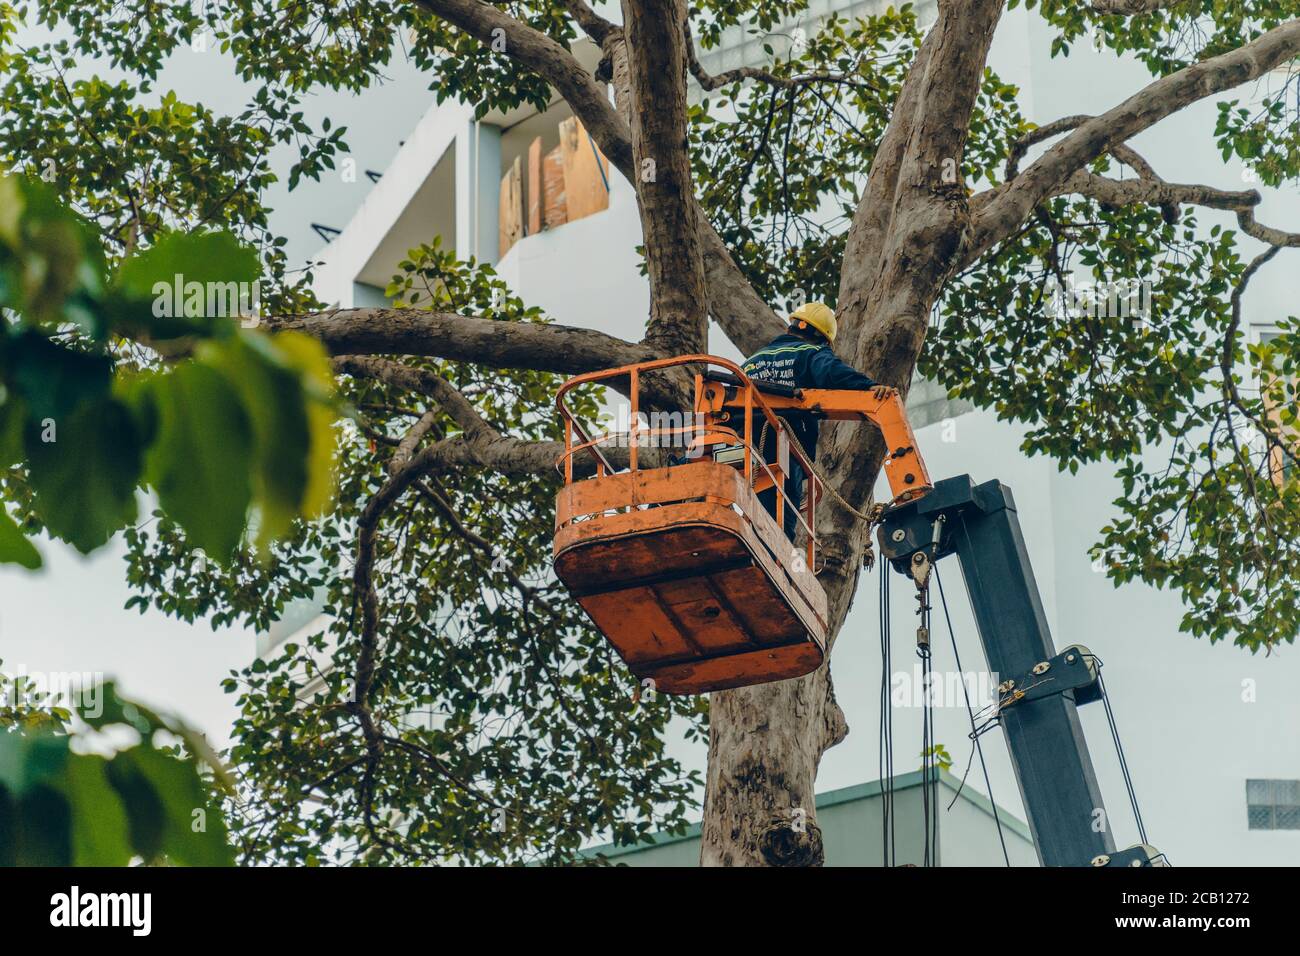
<point x="904" y="468"/>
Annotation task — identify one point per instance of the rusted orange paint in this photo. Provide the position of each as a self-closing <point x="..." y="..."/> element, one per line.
<point x="679" y="577"/>
<point x="691" y="580"/>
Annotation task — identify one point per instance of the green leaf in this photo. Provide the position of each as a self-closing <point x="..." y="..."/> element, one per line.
<point x="272" y="396"/>
<point x="56" y="268"/>
<point x="30" y="760"/>
<point x="54" y="380"/>
<point x="200" y="461"/>
<point x="101" y="706"/>
<point x="146" y="815"/>
<point x="15" y="548"/>
<point x="185" y="283"/>
<point x="206" y="256"/>
<point x="100" y="831"/>
<point x="35" y="829"/>
<point x="85" y="479"/>
<point x="179" y="820"/>
<point x="11" y="211"/>
<point x="308" y="356"/>
<point x="11" y="432"/>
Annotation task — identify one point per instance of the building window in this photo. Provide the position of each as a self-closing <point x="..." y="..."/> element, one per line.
<point x="1273" y="804"/>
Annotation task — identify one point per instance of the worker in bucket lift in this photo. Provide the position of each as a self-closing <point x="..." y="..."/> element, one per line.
<point x="801" y="357"/>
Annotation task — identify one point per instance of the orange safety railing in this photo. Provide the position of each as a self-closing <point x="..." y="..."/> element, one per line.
<point x="709" y="428"/>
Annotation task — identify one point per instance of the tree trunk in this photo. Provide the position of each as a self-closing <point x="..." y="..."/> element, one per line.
<point x="656" y="62"/>
<point x="908" y="233"/>
<point x="766" y="742"/>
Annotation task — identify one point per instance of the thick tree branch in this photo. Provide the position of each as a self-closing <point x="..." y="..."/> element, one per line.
<point x="1132" y="8"/>
<point x="612" y="68"/>
<point x="655" y="32"/>
<point x="592" y="23"/>
<point x="512" y="457"/>
<point x="546" y="57"/>
<point x="1004" y="211"/>
<point x="912" y="217"/>
<point x="1155" y="191"/>
<point x="1148" y="188"/>
<point x="864" y="245"/>
<point x="479" y="443"/>
<point x="369" y="332"/>
<point x="489" y="342"/>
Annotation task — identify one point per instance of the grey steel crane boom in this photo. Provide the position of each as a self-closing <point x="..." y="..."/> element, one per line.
<point x="1040" y="690"/>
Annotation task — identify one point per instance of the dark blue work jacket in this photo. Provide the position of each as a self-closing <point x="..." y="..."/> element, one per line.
<point x="791" y="359"/>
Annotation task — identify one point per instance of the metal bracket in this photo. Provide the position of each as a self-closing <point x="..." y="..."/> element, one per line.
<point x="1142" y="854"/>
<point x="1074" y="669"/>
<point x="913" y="526"/>
<point x="920" y="570"/>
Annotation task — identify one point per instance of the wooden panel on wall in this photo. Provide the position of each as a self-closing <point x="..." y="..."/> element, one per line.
<point x="555" y="211"/>
<point x="533" y="187"/>
<point x="510" y="221"/>
<point x="586" y="171"/>
<point x="1274" y="391"/>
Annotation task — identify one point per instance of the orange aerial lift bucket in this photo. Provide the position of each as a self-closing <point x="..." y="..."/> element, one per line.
<point x="679" y="565"/>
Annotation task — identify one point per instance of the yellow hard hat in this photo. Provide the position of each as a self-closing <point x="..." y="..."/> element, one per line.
<point x="819" y="315"/>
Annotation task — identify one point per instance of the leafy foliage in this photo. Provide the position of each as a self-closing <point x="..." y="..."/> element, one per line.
<point x="1207" y="507"/>
<point x="510" y="732"/>
<point x="1264" y="133"/>
<point x="87" y="426"/>
<point x="780" y="170"/>
<point x="73" y="793"/>
<point x="82" y="428"/>
<point x="505" y="731"/>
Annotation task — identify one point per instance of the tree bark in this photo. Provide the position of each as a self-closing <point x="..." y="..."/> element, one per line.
<point x="466" y="338"/>
<point x="656" y="60"/>
<point x="766" y="742"/>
